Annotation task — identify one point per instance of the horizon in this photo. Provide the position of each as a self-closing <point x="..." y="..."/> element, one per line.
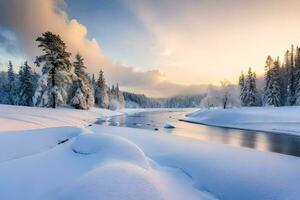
<point x="159" y="49"/>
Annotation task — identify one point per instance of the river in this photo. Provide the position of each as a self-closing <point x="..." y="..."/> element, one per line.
<point x="155" y="120"/>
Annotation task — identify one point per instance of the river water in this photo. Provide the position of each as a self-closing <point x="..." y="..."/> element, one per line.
<point x="155" y="120"/>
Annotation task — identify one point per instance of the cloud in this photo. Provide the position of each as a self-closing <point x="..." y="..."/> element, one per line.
<point x="9" y="43"/>
<point x="28" y="19"/>
<point x="208" y="40"/>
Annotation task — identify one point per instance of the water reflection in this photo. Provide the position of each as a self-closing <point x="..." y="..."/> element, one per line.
<point x="261" y="141"/>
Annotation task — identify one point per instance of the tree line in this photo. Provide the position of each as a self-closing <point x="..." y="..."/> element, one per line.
<point x="133" y="100"/>
<point x="60" y="82"/>
<point x="281" y="82"/>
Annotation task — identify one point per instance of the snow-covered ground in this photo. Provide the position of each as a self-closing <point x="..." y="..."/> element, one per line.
<point x="13" y="118"/>
<point x="277" y="120"/>
<point x="53" y="154"/>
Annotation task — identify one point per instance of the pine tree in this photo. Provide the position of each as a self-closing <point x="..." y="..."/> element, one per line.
<point x="82" y="97"/>
<point x="79" y="66"/>
<point x="52" y="88"/>
<point x="10" y="73"/>
<point x="251" y="91"/>
<point x="94" y="83"/>
<point x="289" y="62"/>
<point x="273" y="82"/>
<point x="102" y="98"/>
<point x="26" y="88"/>
<point x="12" y="87"/>
<point x="268" y="76"/>
<point x="274" y="95"/>
<point x="297" y="76"/>
<point x="283" y="84"/>
<point x="242" y="89"/>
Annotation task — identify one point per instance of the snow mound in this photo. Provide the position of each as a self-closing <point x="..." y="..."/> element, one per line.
<point x="277" y="120"/>
<point x="17" y="144"/>
<point x="110" y="147"/>
<point x="114" y="182"/>
<point x="169" y="126"/>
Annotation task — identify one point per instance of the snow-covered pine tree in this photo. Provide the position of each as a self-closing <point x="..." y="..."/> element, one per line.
<point x="10" y="72"/>
<point x="242" y="87"/>
<point x="297" y="76"/>
<point x="102" y="99"/>
<point x="53" y="84"/>
<point x="251" y="91"/>
<point x="274" y="96"/>
<point x="82" y="97"/>
<point x="283" y="84"/>
<point x="268" y="77"/>
<point x="289" y="62"/>
<point x="26" y="88"/>
<point x="4" y="95"/>
<point x="12" y="85"/>
<point x="94" y="83"/>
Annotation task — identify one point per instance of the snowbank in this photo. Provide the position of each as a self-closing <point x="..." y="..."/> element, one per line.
<point x="110" y="147"/>
<point x="14" y="118"/>
<point x="277" y="120"/>
<point x="18" y="144"/>
<point x="114" y="182"/>
<point x="226" y="172"/>
<point x="103" y="162"/>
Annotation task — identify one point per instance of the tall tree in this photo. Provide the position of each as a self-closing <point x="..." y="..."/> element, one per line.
<point x="10" y="72"/>
<point x="268" y="77"/>
<point x="101" y="94"/>
<point x="273" y="87"/>
<point x="26" y="88"/>
<point x="290" y="68"/>
<point x="242" y="87"/>
<point x="251" y="91"/>
<point x="297" y="76"/>
<point x="52" y="89"/>
<point x="82" y="97"/>
<point x="79" y="66"/>
<point x="12" y="87"/>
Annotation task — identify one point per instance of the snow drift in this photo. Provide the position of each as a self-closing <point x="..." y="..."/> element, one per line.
<point x="17" y="144"/>
<point x="277" y="120"/>
<point x="110" y="147"/>
<point x="114" y="182"/>
<point x="111" y="163"/>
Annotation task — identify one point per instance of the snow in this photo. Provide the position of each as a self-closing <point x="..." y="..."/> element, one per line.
<point x="18" y="144"/>
<point x="132" y="183"/>
<point x="60" y="157"/>
<point x="270" y="119"/>
<point x="225" y="171"/>
<point x="13" y="118"/>
<point x="116" y="147"/>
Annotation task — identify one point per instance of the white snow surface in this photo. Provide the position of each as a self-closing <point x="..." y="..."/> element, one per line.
<point x="270" y="119"/>
<point x="13" y="118"/>
<point x="59" y="157"/>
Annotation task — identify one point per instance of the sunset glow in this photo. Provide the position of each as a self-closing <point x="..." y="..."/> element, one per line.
<point x="160" y="44"/>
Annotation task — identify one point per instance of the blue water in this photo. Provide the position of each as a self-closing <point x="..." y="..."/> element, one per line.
<point x="261" y="141"/>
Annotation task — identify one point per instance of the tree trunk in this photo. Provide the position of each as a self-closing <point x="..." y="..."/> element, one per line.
<point x="225" y="104"/>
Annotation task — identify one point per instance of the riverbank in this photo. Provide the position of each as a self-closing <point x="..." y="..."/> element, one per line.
<point x="58" y="154"/>
<point x="284" y="120"/>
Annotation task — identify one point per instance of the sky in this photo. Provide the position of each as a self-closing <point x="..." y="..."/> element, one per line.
<point x="157" y="47"/>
